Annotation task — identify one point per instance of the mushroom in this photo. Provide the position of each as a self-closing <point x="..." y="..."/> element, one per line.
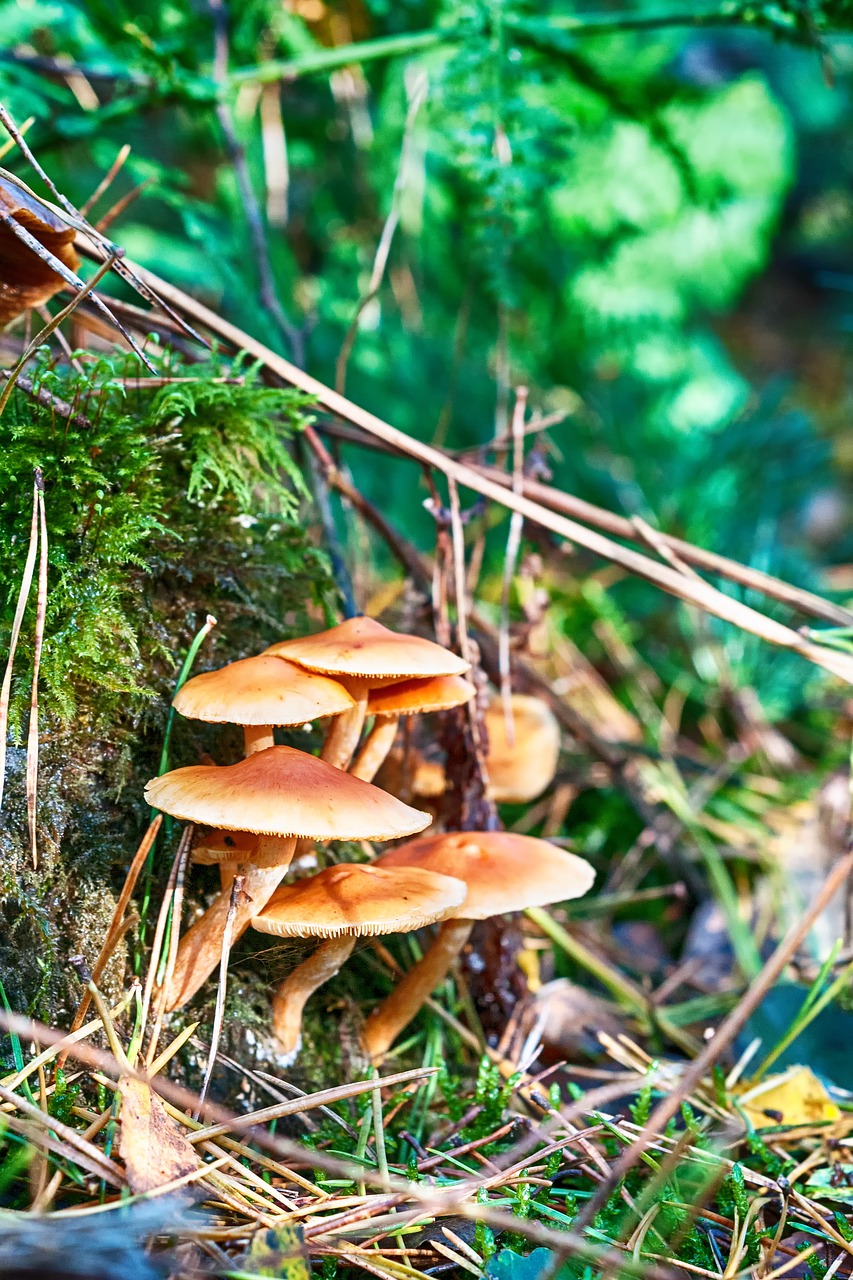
<point x="26" y="279"/>
<point x="259" y="693"/>
<point x="409" y="698"/>
<point x="340" y="904"/>
<point x="521" y="769"/>
<point x="504" y="872"/>
<point x="362" y="654"/>
<point x="280" y="794"/>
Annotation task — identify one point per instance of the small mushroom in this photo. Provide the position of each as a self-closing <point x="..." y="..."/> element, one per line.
<point x="281" y="794"/>
<point x="521" y="769"/>
<point x="504" y="872"/>
<point x="409" y="698"/>
<point x="340" y="904"/>
<point x="363" y="654"/>
<point x="259" y="693"/>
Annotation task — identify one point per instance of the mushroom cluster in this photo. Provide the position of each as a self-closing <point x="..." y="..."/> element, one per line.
<point x="278" y="801"/>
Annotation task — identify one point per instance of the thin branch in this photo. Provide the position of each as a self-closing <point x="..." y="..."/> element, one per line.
<point x="76" y="220"/>
<point x="408" y="555"/>
<point x="417" y="97"/>
<point x="219" y="1013"/>
<point x="54" y="323"/>
<point x="663" y="576"/>
<point x="251" y="206"/>
<point x="513" y="546"/>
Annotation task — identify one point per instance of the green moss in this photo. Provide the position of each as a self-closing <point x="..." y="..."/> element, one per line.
<point x="182" y="497"/>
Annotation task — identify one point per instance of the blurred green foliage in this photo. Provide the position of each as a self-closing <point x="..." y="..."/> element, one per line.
<point x="582" y="203"/>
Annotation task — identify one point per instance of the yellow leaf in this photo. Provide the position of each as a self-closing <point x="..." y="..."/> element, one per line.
<point x="278" y="1251"/>
<point x="794" y="1097"/>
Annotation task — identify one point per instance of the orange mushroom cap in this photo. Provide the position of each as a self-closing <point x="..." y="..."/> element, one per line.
<point x="261" y="690"/>
<point x="413" y="697"/>
<point x="284" y="792"/>
<point x="503" y="871"/>
<point x="520" y="770"/>
<point x="364" y="649"/>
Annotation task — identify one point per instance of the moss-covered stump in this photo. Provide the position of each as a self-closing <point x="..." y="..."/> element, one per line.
<point x="163" y="504"/>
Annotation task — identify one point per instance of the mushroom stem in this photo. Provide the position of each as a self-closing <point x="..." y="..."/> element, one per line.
<point x="299" y="986"/>
<point x="200" y="950"/>
<point x="385" y="1023"/>
<point x="257" y="737"/>
<point x="345" y="730"/>
<point x="379" y="742"/>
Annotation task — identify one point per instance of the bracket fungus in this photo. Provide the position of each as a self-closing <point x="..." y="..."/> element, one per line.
<point x="504" y="872"/>
<point x="340" y="904"/>
<point x="280" y="794"/>
<point x="363" y="654"/>
<point x="408" y="698"/>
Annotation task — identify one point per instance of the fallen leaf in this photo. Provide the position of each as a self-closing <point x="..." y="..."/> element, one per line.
<point x="152" y="1146"/>
<point x="794" y="1097"/>
<point x="568" y="1019"/>
<point x="277" y="1251"/>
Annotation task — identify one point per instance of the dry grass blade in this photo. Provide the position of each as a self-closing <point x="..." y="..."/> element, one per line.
<point x="116" y="924"/>
<point x="219" y="1013"/>
<point x="62" y="1048"/>
<point x="41" y="614"/>
<point x="513" y="546"/>
<point x="324" y="1097"/>
<point x="698" y="593"/>
<point x="66" y="1150"/>
<point x="456" y="1198"/>
<point x="169" y="910"/>
<point x="96" y="1160"/>
<point x="107" y="180"/>
<point x="23" y="596"/>
<point x="417" y="97"/>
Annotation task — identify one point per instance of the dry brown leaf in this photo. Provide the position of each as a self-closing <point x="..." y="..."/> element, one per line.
<point x="152" y="1147"/>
